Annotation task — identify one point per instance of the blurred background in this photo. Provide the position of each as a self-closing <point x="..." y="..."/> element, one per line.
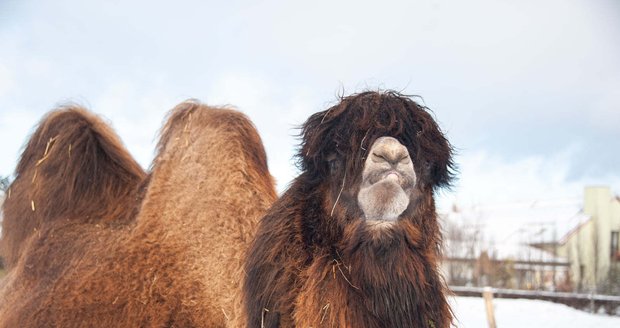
<point x="528" y="92"/>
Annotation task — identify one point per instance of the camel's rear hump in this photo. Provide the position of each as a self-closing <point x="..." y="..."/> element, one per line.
<point x="74" y="168"/>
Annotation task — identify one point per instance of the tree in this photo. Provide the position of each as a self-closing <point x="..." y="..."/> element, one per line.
<point x="4" y="183"/>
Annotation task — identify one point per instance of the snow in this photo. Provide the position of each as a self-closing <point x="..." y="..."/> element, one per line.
<point x="470" y="313"/>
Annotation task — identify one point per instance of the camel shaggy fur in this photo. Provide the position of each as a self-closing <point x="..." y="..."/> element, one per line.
<point x="354" y="241"/>
<point x="90" y="240"/>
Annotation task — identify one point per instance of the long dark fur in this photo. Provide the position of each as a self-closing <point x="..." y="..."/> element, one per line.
<point x="311" y="267"/>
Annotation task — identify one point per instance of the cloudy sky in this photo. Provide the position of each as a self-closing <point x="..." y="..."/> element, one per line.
<point x="527" y="91"/>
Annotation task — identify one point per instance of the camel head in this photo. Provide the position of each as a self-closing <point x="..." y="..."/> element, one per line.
<point x="377" y="156"/>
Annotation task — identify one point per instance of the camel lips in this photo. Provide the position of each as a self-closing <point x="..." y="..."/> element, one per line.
<point x="393" y="176"/>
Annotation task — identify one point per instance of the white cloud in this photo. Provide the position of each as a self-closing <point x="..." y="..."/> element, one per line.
<point x="487" y="179"/>
<point x="605" y="110"/>
<point x="495" y="72"/>
<point x="6" y="80"/>
<point x="15" y="126"/>
<point x="136" y="112"/>
<point x="241" y="90"/>
<point x="275" y="111"/>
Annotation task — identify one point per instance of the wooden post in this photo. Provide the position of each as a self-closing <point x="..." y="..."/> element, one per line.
<point x="487" y="294"/>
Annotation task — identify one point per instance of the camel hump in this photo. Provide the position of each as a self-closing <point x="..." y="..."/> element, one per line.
<point x="73" y="168"/>
<point x="237" y="136"/>
<point x="191" y="115"/>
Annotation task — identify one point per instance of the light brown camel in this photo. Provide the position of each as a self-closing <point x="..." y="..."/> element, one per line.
<point x="354" y="242"/>
<point x="90" y="240"/>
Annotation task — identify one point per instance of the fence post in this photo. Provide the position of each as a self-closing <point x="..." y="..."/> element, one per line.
<point x="487" y="294"/>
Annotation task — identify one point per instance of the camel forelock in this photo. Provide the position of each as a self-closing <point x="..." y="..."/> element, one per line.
<point x="346" y="131"/>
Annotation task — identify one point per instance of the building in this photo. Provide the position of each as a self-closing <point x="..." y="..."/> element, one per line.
<point x="501" y="245"/>
<point x="592" y="247"/>
<point x="563" y="244"/>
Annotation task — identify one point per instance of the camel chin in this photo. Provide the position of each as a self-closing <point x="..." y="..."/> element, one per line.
<point x="383" y="201"/>
<point x="387" y="180"/>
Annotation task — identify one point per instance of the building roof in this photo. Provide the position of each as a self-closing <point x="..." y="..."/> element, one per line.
<point x="509" y="230"/>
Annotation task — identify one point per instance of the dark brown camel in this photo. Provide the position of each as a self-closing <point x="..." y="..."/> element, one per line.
<point x="354" y="241"/>
<point x="90" y="240"/>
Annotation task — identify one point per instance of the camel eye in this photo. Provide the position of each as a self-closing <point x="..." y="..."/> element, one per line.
<point x="332" y="162"/>
<point x="333" y="165"/>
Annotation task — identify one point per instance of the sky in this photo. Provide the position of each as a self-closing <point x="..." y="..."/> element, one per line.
<point x="528" y="92"/>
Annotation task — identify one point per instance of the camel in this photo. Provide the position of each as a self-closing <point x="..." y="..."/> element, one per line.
<point x="355" y="241"/>
<point x="91" y="240"/>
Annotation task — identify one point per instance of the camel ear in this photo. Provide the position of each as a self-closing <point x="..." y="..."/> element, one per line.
<point x="73" y="168"/>
<point x="316" y="141"/>
<point x="434" y="152"/>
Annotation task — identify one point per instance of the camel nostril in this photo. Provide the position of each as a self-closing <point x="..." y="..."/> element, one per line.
<point x="389" y="150"/>
<point x="391" y="156"/>
<point x="388" y="155"/>
<point x="379" y="158"/>
<point x="405" y="159"/>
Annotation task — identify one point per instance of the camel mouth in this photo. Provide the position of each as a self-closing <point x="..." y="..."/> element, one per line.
<point x="388" y="179"/>
<point x="392" y="176"/>
<point x="404" y="180"/>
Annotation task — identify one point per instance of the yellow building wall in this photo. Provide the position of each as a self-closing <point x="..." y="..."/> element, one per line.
<point x="590" y="245"/>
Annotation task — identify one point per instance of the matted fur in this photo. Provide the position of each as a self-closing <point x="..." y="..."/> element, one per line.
<point x="73" y="168"/>
<point x="106" y="246"/>
<point x="316" y="263"/>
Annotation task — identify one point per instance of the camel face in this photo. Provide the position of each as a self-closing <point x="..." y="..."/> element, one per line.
<point x="388" y="178"/>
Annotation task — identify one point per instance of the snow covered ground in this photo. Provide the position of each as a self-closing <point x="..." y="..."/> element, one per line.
<point x="521" y="313"/>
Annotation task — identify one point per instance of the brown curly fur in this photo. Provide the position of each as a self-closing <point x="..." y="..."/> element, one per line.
<point x="106" y="246"/>
<point x="308" y="267"/>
